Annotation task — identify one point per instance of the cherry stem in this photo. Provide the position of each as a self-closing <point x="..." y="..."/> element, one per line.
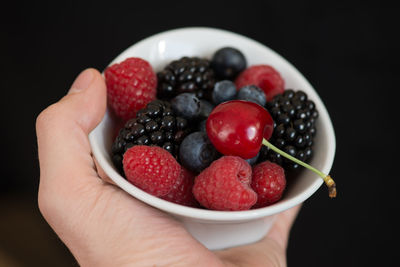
<point x="327" y="179"/>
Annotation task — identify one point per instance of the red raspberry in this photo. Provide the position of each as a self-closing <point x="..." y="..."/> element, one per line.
<point x="131" y="84"/>
<point x="181" y="192"/>
<point x="152" y="169"/>
<point x="269" y="182"/>
<point x="263" y="76"/>
<point x="225" y="185"/>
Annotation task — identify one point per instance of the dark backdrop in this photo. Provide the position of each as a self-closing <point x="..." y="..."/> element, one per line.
<point x="347" y="51"/>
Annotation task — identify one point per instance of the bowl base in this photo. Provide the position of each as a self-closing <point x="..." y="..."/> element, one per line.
<point x="216" y="236"/>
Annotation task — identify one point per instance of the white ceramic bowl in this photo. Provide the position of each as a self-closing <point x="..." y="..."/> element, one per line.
<point x="221" y="229"/>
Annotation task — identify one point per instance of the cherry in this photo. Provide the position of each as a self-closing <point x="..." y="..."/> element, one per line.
<point x="239" y="128"/>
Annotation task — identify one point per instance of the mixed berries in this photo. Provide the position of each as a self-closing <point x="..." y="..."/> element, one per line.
<point x="193" y="132"/>
<point x="265" y="77"/>
<point x="156" y="124"/>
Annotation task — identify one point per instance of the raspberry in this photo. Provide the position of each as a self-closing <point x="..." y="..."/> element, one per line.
<point x="152" y="169"/>
<point x="263" y="76"/>
<point x="268" y="182"/>
<point x="225" y="185"/>
<point x="181" y="192"/>
<point x="131" y="84"/>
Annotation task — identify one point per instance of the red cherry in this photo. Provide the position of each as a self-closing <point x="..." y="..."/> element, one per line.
<point x="238" y="127"/>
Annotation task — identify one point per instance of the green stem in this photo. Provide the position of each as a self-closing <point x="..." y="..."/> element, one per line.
<point x="286" y="155"/>
<point x="328" y="180"/>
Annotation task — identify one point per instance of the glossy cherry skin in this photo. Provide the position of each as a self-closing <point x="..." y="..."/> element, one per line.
<point x="237" y="128"/>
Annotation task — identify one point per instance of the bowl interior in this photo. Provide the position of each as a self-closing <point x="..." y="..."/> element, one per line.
<point x="159" y="50"/>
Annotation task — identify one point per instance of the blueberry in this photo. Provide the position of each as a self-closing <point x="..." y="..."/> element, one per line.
<point x="228" y="62"/>
<point x="252" y="161"/>
<point x="205" y="108"/>
<point x="223" y="91"/>
<point x="196" y="152"/>
<point x="252" y="93"/>
<point x="186" y="105"/>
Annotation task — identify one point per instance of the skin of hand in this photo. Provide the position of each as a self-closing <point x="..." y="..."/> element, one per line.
<point x="100" y="223"/>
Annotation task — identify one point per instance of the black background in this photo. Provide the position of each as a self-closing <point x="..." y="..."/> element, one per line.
<point x="346" y="50"/>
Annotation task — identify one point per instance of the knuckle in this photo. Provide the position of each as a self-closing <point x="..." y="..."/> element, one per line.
<point x="46" y="116"/>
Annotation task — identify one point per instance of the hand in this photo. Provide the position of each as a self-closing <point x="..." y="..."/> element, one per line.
<point x="101" y="224"/>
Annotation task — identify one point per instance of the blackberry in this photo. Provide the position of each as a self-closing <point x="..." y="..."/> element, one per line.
<point x="156" y="124"/>
<point x="186" y="75"/>
<point x="294" y="127"/>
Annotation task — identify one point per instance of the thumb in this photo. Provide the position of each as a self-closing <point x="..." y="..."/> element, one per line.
<point x="85" y="102"/>
<point x="62" y="134"/>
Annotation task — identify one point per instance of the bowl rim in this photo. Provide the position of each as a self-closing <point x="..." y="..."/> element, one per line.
<point x="212" y="215"/>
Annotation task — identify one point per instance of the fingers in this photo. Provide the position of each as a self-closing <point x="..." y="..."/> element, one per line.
<point x="270" y="251"/>
<point x="281" y="228"/>
<point x="62" y="134"/>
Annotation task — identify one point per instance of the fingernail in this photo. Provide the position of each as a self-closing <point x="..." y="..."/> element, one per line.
<point x="82" y="82"/>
